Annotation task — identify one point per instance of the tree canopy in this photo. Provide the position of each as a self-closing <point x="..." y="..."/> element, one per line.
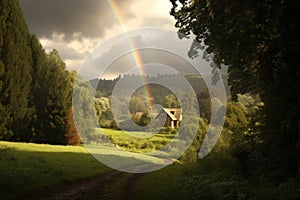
<point x="259" y="42"/>
<point x="15" y="71"/>
<point x="35" y="87"/>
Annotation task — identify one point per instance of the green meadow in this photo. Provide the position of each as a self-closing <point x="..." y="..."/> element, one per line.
<point x="25" y="167"/>
<point x="139" y="142"/>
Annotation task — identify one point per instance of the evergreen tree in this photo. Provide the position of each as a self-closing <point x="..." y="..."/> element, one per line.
<point x="35" y="87"/>
<point x="39" y="88"/>
<point x="51" y="96"/>
<point x="57" y="90"/>
<point x="15" y="73"/>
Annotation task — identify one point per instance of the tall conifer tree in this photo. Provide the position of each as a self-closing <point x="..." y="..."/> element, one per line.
<point x="15" y="72"/>
<point x="58" y="90"/>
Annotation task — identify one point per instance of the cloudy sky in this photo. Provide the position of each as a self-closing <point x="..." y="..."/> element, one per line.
<point x="76" y="27"/>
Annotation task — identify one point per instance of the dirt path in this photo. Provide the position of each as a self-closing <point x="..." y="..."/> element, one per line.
<point x="112" y="185"/>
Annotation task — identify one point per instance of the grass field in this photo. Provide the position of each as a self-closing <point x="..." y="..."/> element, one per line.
<point x="159" y="184"/>
<point x="28" y="168"/>
<point x="135" y="144"/>
<point x="25" y="168"/>
<point x="206" y="180"/>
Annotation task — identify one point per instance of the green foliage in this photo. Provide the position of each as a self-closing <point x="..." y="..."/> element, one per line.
<point x="15" y="69"/>
<point x="260" y="44"/>
<point x="216" y="186"/>
<point x="211" y="178"/>
<point x="145" y="119"/>
<point x="191" y="155"/>
<point x="101" y="105"/>
<point x="84" y="109"/>
<point x="106" y="119"/>
<point x="56" y="101"/>
<point x="135" y="144"/>
<point x="136" y="104"/>
<point x="157" y="91"/>
<point x="104" y="86"/>
<point x="204" y="104"/>
<point x="35" y="88"/>
<point x="171" y="101"/>
<point x="98" y="94"/>
<point x="169" y="130"/>
<point x="38" y="97"/>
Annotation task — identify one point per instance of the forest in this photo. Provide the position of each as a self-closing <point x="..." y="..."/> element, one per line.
<point x="257" y="154"/>
<point x="31" y="110"/>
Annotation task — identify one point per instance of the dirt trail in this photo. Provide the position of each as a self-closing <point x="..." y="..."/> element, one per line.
<point x="112" y="185"/>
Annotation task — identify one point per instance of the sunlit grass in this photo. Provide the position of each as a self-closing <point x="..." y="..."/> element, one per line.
<point x="25" y="168"/>
<point x="136" y="144"/>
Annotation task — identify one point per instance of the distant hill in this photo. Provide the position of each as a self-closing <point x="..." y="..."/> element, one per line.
<point x="106" y="87"/>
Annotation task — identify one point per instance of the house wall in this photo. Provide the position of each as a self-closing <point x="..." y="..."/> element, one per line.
<point x="168" y="122"/>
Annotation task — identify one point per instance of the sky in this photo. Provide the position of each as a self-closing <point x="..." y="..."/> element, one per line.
<point x="76" y="27"/>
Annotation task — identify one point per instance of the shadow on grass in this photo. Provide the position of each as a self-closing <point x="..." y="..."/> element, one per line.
<point x="23" y="171"/>
<point x="28" y="168"/>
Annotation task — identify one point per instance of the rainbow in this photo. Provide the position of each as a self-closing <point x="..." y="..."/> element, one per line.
<point x="136" y="54"/>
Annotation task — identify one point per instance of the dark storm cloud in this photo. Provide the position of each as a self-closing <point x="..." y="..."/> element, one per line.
<point x="115" y="61"/>
<point x="89" y="17"/>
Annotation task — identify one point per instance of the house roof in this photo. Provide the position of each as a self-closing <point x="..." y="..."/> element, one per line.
<point x="177" y="113"/>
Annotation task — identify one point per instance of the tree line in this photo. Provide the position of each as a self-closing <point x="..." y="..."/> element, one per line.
<point x="35" y="87"/>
